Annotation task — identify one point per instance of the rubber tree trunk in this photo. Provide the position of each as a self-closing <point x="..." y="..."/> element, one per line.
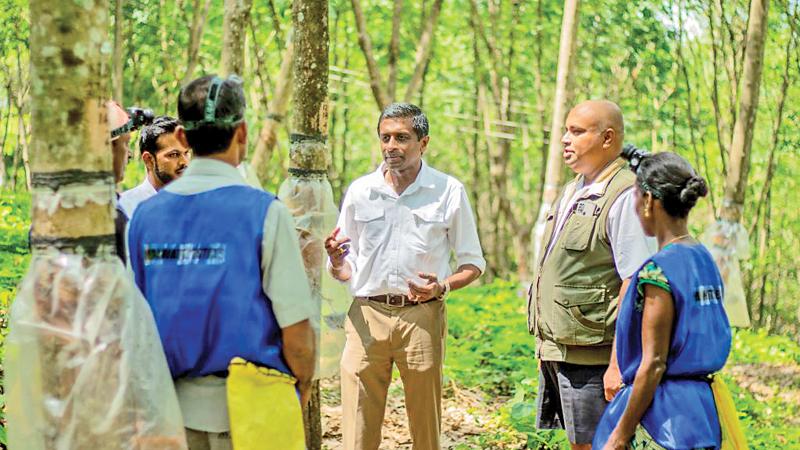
<point x="234" y="32"/>
<point x="307" y="192"/>
<point x="69" y="81"/>
<point x="552" y="179"/>
<point x="727" y="239"/>
<point x="739" y="167"/>
<point x="84" y="367"/>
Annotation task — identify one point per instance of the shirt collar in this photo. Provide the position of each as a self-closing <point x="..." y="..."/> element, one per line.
<point x="209" y="166"/>
<point x="425" y="179"/>
<point x="204" y="174"/>
<point x="598" y="188"/>
<point x="147" y="185"/>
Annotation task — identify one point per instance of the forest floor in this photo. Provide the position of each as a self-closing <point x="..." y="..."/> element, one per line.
<point x="465" y="414"/>
<point x="768" y="382"/>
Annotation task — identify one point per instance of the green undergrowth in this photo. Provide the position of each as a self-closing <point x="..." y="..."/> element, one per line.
<point x="14" y="257"/>
<point x="489" y="349"/>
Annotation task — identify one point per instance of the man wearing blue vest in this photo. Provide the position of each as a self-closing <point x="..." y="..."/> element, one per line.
<point x="219" y="263"/>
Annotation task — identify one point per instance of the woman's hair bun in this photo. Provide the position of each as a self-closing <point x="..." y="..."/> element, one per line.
<point x="695" y="188"/>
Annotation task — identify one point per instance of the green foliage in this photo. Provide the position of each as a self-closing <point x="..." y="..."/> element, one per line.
<point x="14" y="257"/>
<point x="759" y="347"/>
<point x="14" y="221"/>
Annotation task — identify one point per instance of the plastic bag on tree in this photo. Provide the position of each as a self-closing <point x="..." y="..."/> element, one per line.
<point x="310" y="200"/>
<point x="84" y="365"/>
<point x="728" y="243"/>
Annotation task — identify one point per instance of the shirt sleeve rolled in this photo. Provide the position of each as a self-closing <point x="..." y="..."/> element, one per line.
<point x="284" y="277"/>
<point x="463" y="232"/>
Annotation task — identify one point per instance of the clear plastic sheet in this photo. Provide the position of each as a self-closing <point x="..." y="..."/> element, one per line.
<point x="728" y="243"/>
<point x="310" y="199"/>
<point x="84" y="365"/>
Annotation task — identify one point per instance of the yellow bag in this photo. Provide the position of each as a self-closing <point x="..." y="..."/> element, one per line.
<point x="732" y="434"/>
<point x="264" y="409"/>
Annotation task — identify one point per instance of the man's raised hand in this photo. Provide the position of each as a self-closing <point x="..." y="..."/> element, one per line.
<point x="337" y="248"/>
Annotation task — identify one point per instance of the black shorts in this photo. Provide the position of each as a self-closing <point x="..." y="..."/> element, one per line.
<point x="571" y="397"/>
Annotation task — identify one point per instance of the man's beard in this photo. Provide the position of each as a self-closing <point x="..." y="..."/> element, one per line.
<point x="164" y="177"/>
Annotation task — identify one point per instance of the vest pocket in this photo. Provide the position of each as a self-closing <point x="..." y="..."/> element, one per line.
<point x="578" y="232"/>
<point x="579" y="314"/>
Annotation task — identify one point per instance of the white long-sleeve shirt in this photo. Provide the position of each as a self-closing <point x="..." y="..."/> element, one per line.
<point x="396" y="236"/>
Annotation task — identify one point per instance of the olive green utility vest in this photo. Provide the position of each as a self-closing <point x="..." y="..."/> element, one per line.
<point x="573" y="303"/>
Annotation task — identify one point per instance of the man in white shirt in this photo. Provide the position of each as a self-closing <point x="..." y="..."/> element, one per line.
<point x="395" y="234"/>
<point x="165" y="158"/>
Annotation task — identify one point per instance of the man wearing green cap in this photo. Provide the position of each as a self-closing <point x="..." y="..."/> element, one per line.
<point x="219" y="264"/>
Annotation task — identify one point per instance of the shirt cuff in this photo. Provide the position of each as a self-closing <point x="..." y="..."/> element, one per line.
<point x="476" y="261"/>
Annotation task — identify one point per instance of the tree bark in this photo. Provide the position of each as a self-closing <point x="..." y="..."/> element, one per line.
<point x="234" y="35"/>
<point x="276" y="23"/>
<point x="382" y="98"/>
<point x="195" y="38"/>
<point x="739" y="167"/>
<point x="118" y="60"/>
<point x="23" y="142"/>
<point x="723" y="139"/>
<point x="552" y="181"/>
<point x="307" y="192"/>
<point x="58" y="85"/>
<point x="394" y="48"/>
<point x="265" y="82"/>
<point x="776" y="133"/>
<point x="423" y="51"/>
<point x="268" y="137"/>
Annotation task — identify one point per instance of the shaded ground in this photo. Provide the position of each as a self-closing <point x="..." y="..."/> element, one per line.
<point x="466" y="414"/>
<point x="768" y="381"/>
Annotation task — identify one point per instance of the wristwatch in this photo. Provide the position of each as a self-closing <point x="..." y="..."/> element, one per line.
<point x="445" y="290"/>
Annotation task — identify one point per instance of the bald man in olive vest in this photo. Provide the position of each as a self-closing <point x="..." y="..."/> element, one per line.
<point x="592" y="244"/>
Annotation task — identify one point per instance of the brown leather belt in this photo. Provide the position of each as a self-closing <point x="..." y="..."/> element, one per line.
<point x="392" y="300"/>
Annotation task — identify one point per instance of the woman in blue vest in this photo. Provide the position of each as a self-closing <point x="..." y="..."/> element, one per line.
<point x="672" y="331"/>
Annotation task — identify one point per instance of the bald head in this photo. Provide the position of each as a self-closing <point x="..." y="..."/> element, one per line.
<point x="604" y="114"/>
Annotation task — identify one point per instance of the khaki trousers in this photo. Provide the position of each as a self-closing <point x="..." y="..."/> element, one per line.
<point x="379" y="335"/>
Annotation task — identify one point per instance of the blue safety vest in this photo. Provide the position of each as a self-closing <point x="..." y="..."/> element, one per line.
<point x="197" y="260"/>
<point x="682" y="414"/>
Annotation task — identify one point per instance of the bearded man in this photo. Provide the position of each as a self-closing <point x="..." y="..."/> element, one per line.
<point x="165" y="159"/>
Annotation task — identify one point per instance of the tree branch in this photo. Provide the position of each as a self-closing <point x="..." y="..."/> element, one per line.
<point x="423" y="50"/>
<point x="394" y="48"/>
<point x="375" y="83"/>
<point x="195" y="38"/>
